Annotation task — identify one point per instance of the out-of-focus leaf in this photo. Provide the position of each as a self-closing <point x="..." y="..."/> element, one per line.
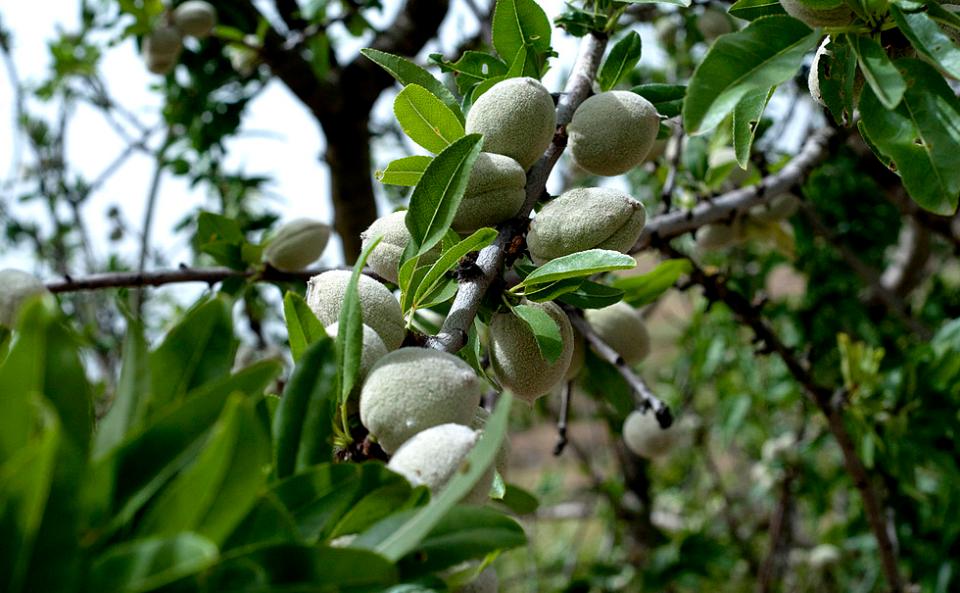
<point x="646" y="288"/>
<point x="149" y="564"/>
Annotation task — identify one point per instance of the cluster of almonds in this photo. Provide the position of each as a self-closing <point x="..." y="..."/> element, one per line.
<point x="162" y="46"/>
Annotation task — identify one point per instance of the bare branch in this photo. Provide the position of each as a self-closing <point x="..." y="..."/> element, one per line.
<point x="566" y="391"/>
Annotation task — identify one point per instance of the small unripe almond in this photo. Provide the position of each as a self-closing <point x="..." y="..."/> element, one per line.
<point x="517" y="118"/>
<point x="16" y="287"/>
<point x="495" y="193"/>
<point x="385" y="257"/>
<point x="612" y="132"/>
<point x="434" y="456"/>
<point x="412" y="389"/>
<point x="297" y="244"/>
<point x="643" y="435"/>
<point x="721" y="235"/>
<point x="713" y="23"/>
<point x="585" y="218"/>
<point x="160" y="64"/>
<point x="372" y="351"/>
<point x="164" y="41"/>
<point x="378" y="306"/>
<point x="623" y="329"/>
<point x="837" y="15"/>
<point x="195" y="18"/>
<point x="515" y="356"/>
<point x="777" y="208"/>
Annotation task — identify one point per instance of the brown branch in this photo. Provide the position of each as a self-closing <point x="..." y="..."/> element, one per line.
<point x="566" y="391"/>
<point x="780" y="535"/>
<point x="715" y="289"/>
<point x="179" y="276"/>
<point x="473" y="287"/>
<point x="725" y="207"/>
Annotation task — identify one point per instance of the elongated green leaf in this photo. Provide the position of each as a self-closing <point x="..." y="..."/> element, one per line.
<point x="304" y="417"/>
<point x="519" y="500"/>
<point x="545" y="330"/>
<point x="449" y="259"/>
<point x="435" y="200"/>
<point x="667" y="98"/>
<point x="199" y="349"/>
<point x="592" y="295"/>
<point x="405" y="171"/>
<point x="132" y="389"/>
<point x="221" y="237"/>
<point x="646" y="288"/>
<point x="350" y="327"/>
<point x="472" y="68"/>
<point x="746" y="116"/>
<point x="837" y="75"/>
<point x="683" y="3"/>
<point x="214" y="494"/>
<point x="922" y="135"/>
<point x="927" y="37"/>
<point x="622" y="59"/>
<point x="407" y="536"/>
<point x="768" y="52"/>
<point x="521" y="25"/>
<point x="149" y="564"/>
<point x="880" y="73"/>
<point x="583" y="263"/>
<point x="303" y="327"/>
<point x="406" y="72"/>
<point x="425" y="119"/>
<point x="750" y="10"/>
<point x="552" y="290"/>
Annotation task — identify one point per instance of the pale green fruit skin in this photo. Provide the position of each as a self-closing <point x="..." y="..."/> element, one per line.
<point x="16" y="286"/>
<point x="832" y="17"/>
<point x="433" y="457"/>
<point x="297" y="244"/>
<point x="412" y="389"/>
<point x="777" y="208"/>
<point x="623" y="329"/>
<point x="612" y="132"/>
<point x="479" y="422"/>
<point x="495" y="193"/>
<point x="643" y="435"/>
<point x="585" y="218"/>
<point x="713" y="23"/>
<point x="164" y="41"/>
<point x="160" y="64"/>
<point x="380" y="309"/>
<point x="517" y="119"/>
<point x="486" y="582"/>
<point x="720" y="235"/>
<point x="373" y="348"/>
<point x="385" y="258"/>
<point x="515" y="357"/>
<point x="195" y="18"/>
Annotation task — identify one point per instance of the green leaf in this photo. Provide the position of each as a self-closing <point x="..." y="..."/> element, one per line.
<point x="134" y="385"/>
<point x="407" y="536"/>
<point x="303" y="327"/>
<point x="880" y="73"/>
<point x="592" y="295"/>
<point x="837" y="72"/>
<point x="667" y="98"/>
<point x="766" y="53"/>
<point x="552" y="290"/>
<point x="927" y="37"/>
<point x="350" y="327"/>
<point x="405" y="171"/>
<point x="435" y="200"/>
<point x="750" y="10"/>
<point x="406" y="72"/>
<point x="425" y="118"/>
<point x="199" y="349"/>
<point x="221" y="237"/>
<point x="214" y="494"/>
<point x="304" y="417"/>
<point x="449" y="260"/>
<point x="472" y="68"/>
<point x="519" y="500"/>
<point x="622" y="59"/>
<point x="575" y="265"/>
<point x="464" y="534"/>
<point x="545" y="330"/>
<point x="921" y="136"/>
<point x="521" y="25"/>
<point x="149" y="564"/>
<point x="646" y="288"/>
<point x="683" y="3"/>
<point x="746" y="116"/>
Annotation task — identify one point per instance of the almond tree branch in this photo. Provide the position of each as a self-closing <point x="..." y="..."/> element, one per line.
<point x="474" y="285"/>
<point x="715" y="289"/>
<point x="673" y="224"/>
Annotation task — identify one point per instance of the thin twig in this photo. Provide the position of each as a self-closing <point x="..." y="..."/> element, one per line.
<point x="566" y="390"/>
